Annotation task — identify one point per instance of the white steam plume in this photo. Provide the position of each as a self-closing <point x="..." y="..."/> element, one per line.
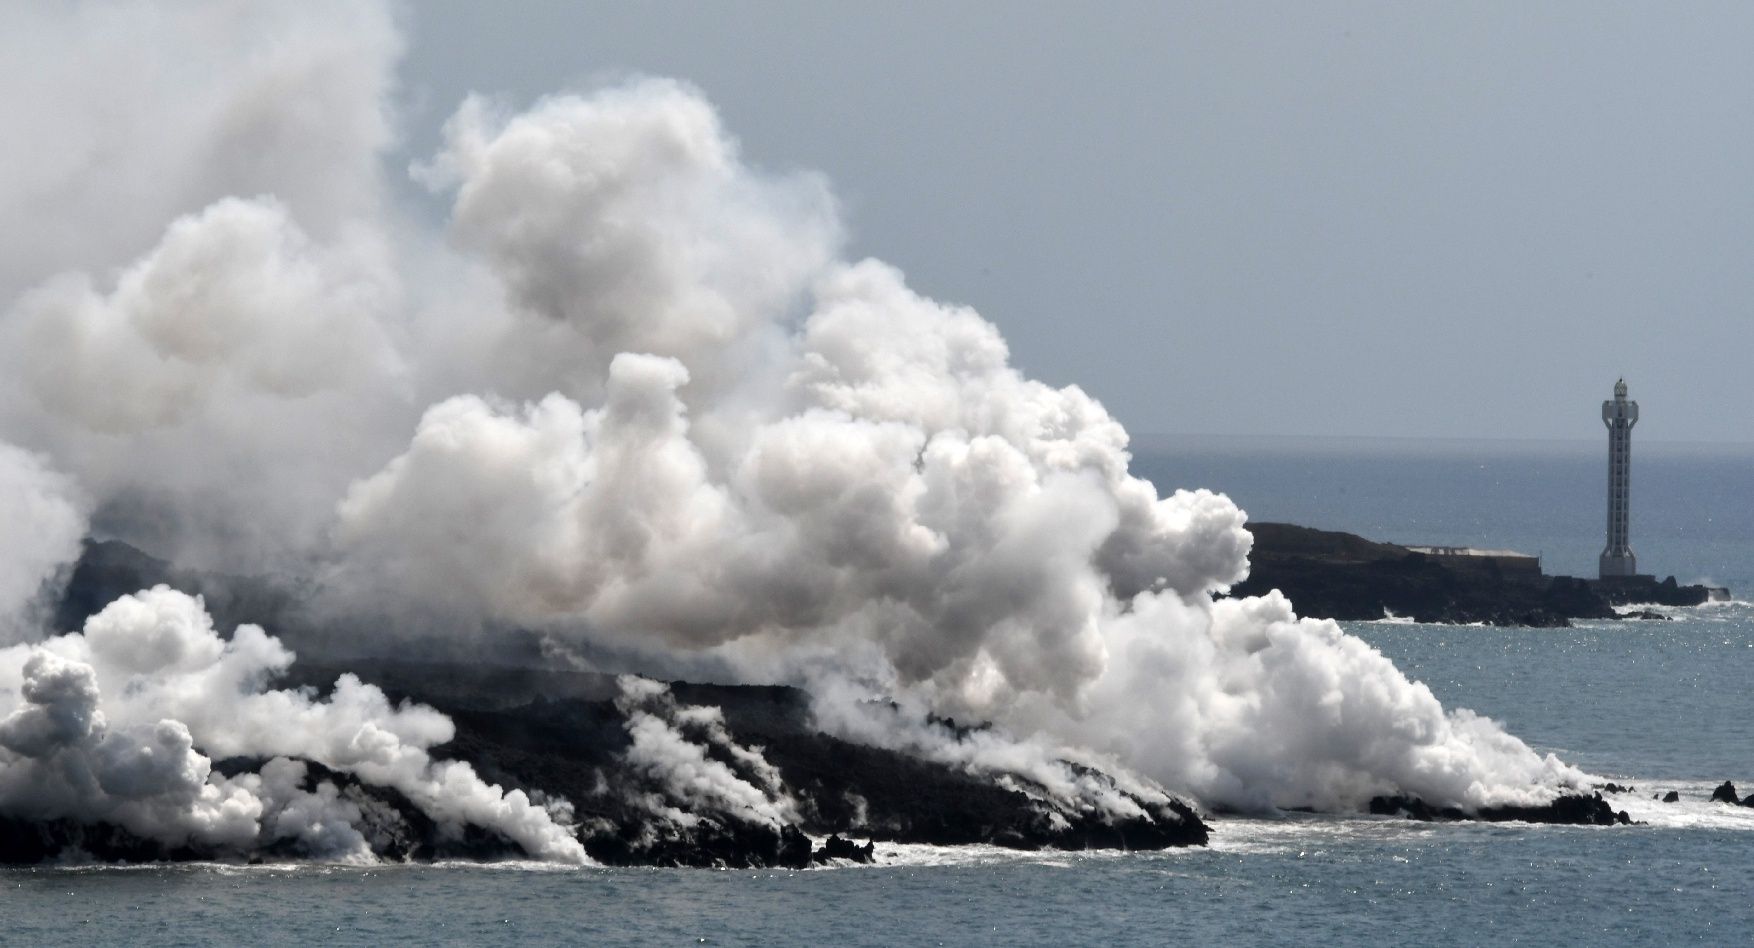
<point x="125" y="114"/>
<point x="223" y="386"/>
<point x="640" y="400"/>
<point x="625" y="222"/>
<point x="42" y="518"/>
<point x="672" y="746"/>
<point x="119" y="724"/>
<point x="905" y="501"/>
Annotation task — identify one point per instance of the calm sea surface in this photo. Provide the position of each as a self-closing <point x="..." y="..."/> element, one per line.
<point x="1662" y="705"/>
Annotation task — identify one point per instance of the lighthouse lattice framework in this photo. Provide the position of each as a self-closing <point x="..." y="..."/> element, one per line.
<point x="1619" y="415"/>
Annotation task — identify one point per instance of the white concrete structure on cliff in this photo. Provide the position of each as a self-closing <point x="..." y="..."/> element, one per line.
<point x="1619" y="415"/>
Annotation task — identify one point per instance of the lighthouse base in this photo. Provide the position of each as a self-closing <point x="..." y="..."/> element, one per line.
<point x="1618" y="565"/>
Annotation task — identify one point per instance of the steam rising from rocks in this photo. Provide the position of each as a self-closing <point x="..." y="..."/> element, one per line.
<point x="104" y="726"/>
<point x="42" y="517"/>
<point x="673" y="746"/>
<point x="635" y="398"/>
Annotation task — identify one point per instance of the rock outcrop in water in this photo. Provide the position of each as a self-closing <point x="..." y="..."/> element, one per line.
<point x="1726" y="793"/>
<point x="834" y="848"/>
<point x="1335" y="575"/>
<point x="1576" y="808"/>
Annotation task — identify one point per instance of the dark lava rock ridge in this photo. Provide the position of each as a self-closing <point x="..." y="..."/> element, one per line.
<point x="1336" y="575"/>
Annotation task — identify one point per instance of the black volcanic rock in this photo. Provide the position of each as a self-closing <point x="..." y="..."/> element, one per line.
<point x="834" y="847"/>
<point x="395" y="828"/>
<point x="1725" y="793"/>
<point x="108" y="569"/>
<point x="1337" y="575"/>
<point x="1413" y="808"/>
<point x="1342" y="576"/>
<point x="561" y="733"/>
<point x="26" y="842"/>
<point x="1574" y="808"/>
<point x="1570" y="808"/>
<point x="1632" y="590"/>
<point x="1672" y="797"/>
<point x="572" y="746"/>
<point x="712" y="843"/>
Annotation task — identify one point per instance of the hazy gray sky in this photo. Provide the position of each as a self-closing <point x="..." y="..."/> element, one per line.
<point x="1288" y="218"/>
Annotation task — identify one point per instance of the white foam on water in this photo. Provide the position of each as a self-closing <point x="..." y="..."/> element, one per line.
<point x="1722" y="610"/>
<point x="912" y="855"/>
<point x="1695" y="809"/>
<point x="1302" y="832"/>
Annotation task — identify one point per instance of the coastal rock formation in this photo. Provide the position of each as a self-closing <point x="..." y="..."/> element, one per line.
<point x="834" y="847"/>
<point x="1633" y="590"/>
<point x="1726" y="793"/>
<point x="678" y="773"/>
<point x="1576" y="808"/>
<point x="659" y="774"/>
<point x="572" y="740"/>
<point x="27" y="841"/>
<point x="398" y="830"/>
<point x="1343" y="576"/>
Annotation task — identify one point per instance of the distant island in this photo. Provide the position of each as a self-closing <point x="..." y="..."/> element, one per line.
<point x="1335" y="575"/>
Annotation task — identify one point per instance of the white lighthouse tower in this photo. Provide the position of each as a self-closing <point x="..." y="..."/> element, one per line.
<point x="1619" y="415"/>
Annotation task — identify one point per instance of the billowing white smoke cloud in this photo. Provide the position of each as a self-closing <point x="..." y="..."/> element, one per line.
<point x="1069" y="778"/>
<point x="235" y="301"/>
<point x="1246" y="705"/>
<point x="651" y="407"/>
<point x="905" y="508"/>
<point x="119" y="724"/>
<point x="42" y="518"/>
<point x="195" y="381"/>
<point x="125" y="114"/>
<point x="229" y="379"/>
<point x="625" y="222"/>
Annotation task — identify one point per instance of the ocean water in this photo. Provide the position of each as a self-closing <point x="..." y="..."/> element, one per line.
<point x="1660" y="705"/>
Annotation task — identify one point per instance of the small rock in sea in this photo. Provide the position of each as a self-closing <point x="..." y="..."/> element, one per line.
<point x="1672" y="797"/>
<point x="1725" y="794"/>
<point x="1616" y="788"/>
<point x="837" y="848"/>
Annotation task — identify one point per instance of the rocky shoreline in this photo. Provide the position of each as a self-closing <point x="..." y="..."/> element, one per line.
<point x="576" y="735"/>
<point x="1575" y="809"/>
<point x="571" y="739"/>
<point x="1335" y="575"/>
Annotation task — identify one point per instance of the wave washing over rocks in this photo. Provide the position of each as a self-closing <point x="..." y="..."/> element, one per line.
<point x="630" y="409"/>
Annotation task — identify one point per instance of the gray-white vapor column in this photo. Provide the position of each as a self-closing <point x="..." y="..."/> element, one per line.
<point x="1619" y="415"/>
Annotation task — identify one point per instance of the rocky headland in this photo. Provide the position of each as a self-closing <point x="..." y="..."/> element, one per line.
<point x="1335" y="575"/>
<point x="555" y="733"/>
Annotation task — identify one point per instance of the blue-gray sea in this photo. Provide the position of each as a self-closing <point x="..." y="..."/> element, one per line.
<point x="1660" y="705"/>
